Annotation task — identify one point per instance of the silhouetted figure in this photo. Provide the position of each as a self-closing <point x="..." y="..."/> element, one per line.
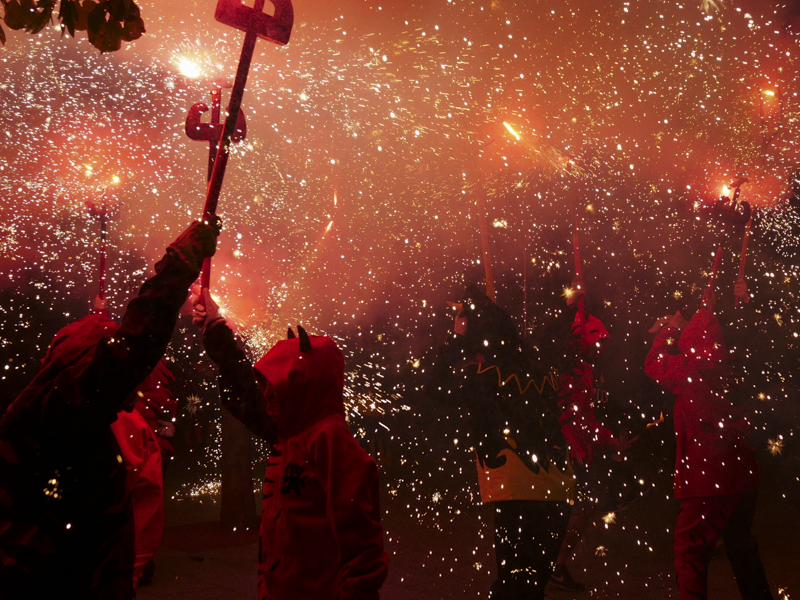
<point x="321" y="533"/>
<point x="65" y="513"/>
<point x="510" y="403"/>
<point x="716" y="472"/>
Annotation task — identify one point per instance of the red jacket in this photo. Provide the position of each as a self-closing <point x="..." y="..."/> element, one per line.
<point x="141" y="455"/>
<point x="321" y="533"/>
<point x="579" y="425"/>
<point x="713" y="456"/>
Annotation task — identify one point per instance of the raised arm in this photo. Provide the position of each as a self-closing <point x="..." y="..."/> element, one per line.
<point x="87" y="396"/>
<point x="238" y="388"/>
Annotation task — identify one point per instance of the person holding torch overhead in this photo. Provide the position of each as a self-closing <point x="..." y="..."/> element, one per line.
<point x="66" y="528"/>
<point x="716" y="471"/>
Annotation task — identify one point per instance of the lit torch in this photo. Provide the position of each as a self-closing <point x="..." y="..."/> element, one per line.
<point x="100" y="209"/>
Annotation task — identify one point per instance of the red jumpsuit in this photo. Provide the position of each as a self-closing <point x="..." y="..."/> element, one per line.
<point x="321" y="534"/>
<point x="716" y="472"/>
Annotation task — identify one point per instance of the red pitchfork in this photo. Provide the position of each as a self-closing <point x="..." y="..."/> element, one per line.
<point x="212" y="132"/>
<point x="256" y="24"/>
<point x="578" y="271"/>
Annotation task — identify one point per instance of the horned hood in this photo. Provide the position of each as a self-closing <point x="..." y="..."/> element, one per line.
<point x="308" y="385"/>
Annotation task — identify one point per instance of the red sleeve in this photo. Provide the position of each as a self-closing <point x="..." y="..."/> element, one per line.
<point x="667" y="370"/>
<point x="350" y="480"/>
<point x="579" y="424"/>
<point x="238" y="388"/>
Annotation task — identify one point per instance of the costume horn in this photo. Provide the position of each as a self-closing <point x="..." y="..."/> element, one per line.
<point x="290" y="335"/>
<point x="305" y="343"/>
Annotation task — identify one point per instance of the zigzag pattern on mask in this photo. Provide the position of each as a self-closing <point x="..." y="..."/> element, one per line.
<point x="552" y="379"/>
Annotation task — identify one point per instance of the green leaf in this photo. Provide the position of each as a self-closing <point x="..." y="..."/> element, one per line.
<point x="40" y="18"/>
<point x="116" y="8"/>
<point x="133" y="30"/>
<point x="84" y="10"/>
<point x="108" y="37"/>
<point x="96" y="21"/>
<point x="132" y="12"/>
<point x="68" y="14"/>
<point x="16" y="16"/>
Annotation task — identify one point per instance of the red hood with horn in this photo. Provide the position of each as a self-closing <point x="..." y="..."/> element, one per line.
<point x="307" y="386"/>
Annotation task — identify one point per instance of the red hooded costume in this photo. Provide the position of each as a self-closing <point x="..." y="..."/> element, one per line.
<point x="66" y="529"/>
<point x="579" y="425"/>
<point x="142" y="457"/>
<point x="321" y="535"/>
<point x="713" y="456"/>
<point x="158" y="404"/>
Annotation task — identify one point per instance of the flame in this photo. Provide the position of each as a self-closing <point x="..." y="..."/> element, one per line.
<point x="511" y="130"/>
<point x="768" y="92"/>
<point x="189" y="68"/>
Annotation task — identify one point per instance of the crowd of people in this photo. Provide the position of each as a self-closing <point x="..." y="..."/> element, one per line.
<point x="83" y="447"/>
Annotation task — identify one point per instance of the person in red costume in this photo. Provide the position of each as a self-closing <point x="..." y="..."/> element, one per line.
<point x="158" y="406"/>
<point x="141" y="455"/>
<point x="149" y="430"/>
<point x="321" y="533"/>
<point x="716" y="472"/>
<point x="584" y="435"/>
<point x="65" y="511"/>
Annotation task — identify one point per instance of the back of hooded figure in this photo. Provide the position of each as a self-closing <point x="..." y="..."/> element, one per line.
<point x="59" y="471"/>
<point x="321" y="536"/>
<point x="65" y="516"/>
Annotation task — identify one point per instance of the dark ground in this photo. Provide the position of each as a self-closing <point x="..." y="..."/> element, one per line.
<point x="199" y="561"/>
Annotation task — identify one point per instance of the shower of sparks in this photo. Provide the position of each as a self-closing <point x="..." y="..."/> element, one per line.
<point x="350" y="206"/>
<point x="775" y="446"/>
<point x="189" y="68"/>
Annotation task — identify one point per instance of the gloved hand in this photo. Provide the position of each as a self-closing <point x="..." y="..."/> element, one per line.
<point x="659" y="324"/>
<point x="677" y="321"/>
<point x="197" y="243"/>
<point x="740" y="291"/>
<point x="100" y="306"/>
<point x="204" y="310"/>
